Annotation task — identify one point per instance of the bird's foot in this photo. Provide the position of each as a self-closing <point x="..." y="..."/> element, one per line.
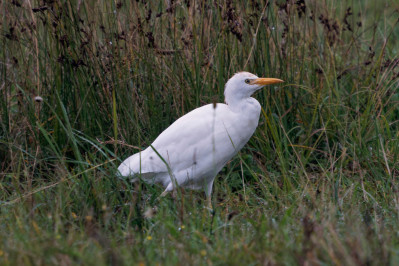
<point x="164" y="194"/>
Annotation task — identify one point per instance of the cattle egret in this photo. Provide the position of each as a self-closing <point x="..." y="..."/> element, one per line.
<point x="191" y="151"/>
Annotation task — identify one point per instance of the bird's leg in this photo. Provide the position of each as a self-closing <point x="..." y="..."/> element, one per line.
<point x="208" y="193"/>
<point x="209" y="202"/>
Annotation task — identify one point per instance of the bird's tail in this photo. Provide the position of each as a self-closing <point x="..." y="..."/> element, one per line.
<point x="133" y="169"/>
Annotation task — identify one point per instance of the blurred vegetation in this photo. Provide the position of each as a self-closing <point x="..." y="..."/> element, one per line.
<point x="84" y="84"/>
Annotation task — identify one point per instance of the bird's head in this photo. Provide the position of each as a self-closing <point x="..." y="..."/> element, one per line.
<point x="243" y="84"/>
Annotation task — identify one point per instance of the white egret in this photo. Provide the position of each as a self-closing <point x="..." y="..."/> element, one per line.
<point x="191" y="151"/>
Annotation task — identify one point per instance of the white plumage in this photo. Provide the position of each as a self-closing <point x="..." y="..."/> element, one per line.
<point x="191" y="151"/>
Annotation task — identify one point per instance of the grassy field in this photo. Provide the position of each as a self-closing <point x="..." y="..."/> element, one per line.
<point x="84" y="84"/>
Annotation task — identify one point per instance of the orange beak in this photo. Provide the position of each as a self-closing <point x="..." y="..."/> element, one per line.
<point x="266" y="81"/>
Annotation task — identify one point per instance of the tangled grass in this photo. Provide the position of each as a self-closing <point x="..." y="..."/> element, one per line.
<point x="84" y="84"/>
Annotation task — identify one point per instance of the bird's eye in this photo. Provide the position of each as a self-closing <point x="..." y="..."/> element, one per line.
<point x="247" y="81"/>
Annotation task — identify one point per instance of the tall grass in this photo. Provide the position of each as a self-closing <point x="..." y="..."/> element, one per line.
<point x="316" y="184"/>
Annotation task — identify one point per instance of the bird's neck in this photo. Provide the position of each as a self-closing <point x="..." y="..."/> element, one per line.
<point x="235" y="100"/>
<point x="235" y="97"/>
<point x="244" y="105"/>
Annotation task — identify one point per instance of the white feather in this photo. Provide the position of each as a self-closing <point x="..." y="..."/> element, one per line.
<point x="195" y="147"/>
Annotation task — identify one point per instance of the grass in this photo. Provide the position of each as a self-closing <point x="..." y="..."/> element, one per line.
<point x="316" y="184"/>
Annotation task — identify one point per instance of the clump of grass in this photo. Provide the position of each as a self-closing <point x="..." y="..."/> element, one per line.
<point x="317" y="183"/>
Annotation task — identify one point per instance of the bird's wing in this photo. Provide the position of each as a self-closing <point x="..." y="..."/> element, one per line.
<point x="204" y="137"/>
